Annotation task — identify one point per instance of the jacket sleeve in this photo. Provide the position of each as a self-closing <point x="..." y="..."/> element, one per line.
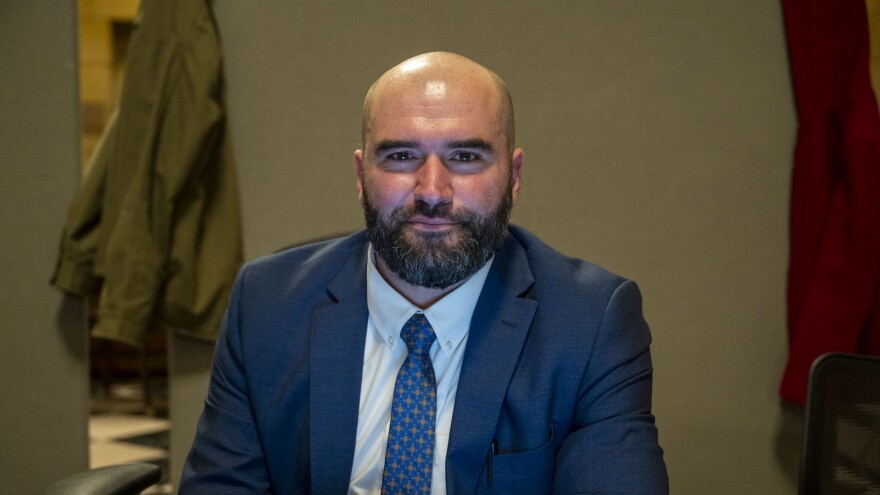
<point x="75" y="269"/>
<point x="227" y="456"/>
<point x="613" y="446"/>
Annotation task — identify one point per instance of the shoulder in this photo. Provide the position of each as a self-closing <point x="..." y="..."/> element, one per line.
<point x="560" y="273"/>
<point x="567" y="287"/>
<point x="313" y="263"/>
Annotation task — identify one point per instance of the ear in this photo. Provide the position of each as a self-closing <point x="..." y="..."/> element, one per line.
<point x="516" y="165"/>
<point x="359" y="173"/>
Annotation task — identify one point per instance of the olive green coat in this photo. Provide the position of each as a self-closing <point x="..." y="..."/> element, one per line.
<point x="157" y="216"/>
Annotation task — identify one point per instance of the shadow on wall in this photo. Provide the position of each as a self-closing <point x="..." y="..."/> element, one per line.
<point x="789" y="440"/>
<point x="70" y="321"/>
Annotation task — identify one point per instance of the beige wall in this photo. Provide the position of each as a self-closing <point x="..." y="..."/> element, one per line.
<point x="658" y="141"/>
<point x="43" y="373"/>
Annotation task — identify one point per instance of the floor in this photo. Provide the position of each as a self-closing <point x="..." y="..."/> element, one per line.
<point x="123" y="429"/>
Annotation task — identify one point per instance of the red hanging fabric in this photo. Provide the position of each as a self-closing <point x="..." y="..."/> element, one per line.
<point x="834" y="265"/>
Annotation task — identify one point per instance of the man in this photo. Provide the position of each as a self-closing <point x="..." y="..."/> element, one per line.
<point x="440" y="351"/>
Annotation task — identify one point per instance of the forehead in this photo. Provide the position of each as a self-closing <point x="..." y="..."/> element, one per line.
<point x="438" y="105"/>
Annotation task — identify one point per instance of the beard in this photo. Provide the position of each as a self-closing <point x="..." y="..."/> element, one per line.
<point x="437" y="260"/>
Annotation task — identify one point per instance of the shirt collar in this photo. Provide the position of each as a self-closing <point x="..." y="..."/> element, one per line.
<point x="450" y="317"/>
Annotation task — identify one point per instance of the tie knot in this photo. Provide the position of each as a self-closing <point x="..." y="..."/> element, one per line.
<point x="418" y="334"/>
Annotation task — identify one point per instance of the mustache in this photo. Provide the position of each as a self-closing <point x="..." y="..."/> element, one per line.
<point x="441" y="210"/>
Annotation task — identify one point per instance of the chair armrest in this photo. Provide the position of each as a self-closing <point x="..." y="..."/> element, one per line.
<point x="123" y="479"/>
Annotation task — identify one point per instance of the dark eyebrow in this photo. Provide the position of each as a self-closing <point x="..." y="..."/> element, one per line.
<point x="475" y="143"/>
<point x="389" y="144"/>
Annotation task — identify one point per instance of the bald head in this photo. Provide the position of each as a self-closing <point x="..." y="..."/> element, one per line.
<point x="439" y="74"/>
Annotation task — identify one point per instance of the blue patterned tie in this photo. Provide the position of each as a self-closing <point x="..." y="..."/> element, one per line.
<point x="410" y="453"/>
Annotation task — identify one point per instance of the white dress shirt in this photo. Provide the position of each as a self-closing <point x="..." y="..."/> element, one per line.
<point x="384" y="353"/>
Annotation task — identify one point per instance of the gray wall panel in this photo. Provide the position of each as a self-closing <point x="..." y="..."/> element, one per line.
<point x="43" y="364"/>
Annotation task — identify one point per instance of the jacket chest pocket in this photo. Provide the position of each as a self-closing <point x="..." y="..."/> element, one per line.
<point x="529" y="472"/>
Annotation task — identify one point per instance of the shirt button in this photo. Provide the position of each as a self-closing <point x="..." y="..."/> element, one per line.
<point x="390" y="340"/>
<point x="448" y="345"/>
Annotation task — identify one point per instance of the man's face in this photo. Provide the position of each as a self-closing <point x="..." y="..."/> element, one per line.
<point x="436" y="180"/>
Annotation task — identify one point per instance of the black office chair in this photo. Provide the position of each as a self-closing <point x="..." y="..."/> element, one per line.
<point x="842" y="436"/>
<point x="124" y="479"/>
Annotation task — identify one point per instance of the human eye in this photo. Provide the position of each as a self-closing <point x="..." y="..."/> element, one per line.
<point x="399" y="160"/>
<point x="400" y="156"/>
<point x="465" y="156"/>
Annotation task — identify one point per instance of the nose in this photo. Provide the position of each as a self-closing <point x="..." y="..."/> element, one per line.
<point x="433" y="182"/>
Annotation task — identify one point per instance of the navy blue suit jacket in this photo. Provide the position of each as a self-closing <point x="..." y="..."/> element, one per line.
<point x="557" y="372"/>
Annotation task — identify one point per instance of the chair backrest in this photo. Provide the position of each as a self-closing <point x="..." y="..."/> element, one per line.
<point x="842" y="433"/>
<point x="122" y="479"/>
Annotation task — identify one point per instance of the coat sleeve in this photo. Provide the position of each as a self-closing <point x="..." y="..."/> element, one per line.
<point x="613" y="446"/>
<point x="227" y="455"/>
<point x="75" y="269"/>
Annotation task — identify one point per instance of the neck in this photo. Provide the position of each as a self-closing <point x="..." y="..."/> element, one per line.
<point x="421" y="297"/>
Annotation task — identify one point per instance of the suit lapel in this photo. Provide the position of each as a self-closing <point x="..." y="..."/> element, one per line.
<point x="338" y="331"/>
<point x="498" y="330"/>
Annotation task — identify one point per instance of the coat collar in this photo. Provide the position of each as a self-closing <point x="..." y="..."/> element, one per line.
<point x="338" y="333"/>
<point x="498" y="331"/>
